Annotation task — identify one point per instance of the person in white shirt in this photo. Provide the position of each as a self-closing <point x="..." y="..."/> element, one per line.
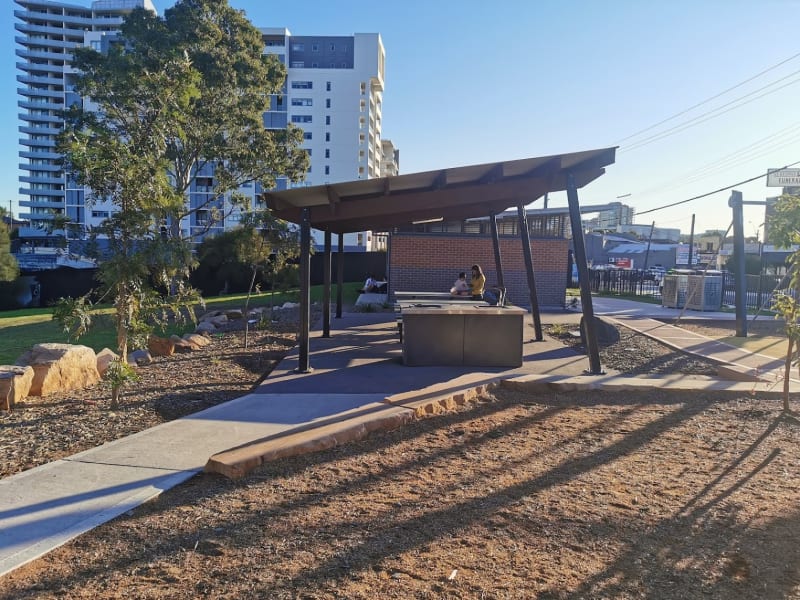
<point x="461" y="286"/>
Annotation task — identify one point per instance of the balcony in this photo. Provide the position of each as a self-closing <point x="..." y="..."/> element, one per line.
<point x="34" y="93"/>
<point x="43" y="155"/>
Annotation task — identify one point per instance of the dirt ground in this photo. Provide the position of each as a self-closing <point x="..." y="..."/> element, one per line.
<point x="574" y="495"/>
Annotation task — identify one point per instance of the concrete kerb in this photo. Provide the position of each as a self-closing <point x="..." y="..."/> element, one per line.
<point x="725" y="370"/>
<point x="404" y="408"/>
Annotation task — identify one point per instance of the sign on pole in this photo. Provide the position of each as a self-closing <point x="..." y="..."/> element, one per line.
<point x="783" y="177"/>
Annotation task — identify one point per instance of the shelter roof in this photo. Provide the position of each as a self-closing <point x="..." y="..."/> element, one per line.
<point x="448" y="194"/>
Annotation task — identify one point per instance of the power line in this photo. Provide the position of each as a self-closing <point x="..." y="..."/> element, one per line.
<point x="722" y="189"/>
<point x="735" y="158"/>
<point x="710" y="114"/>
<point x="706" y="101"/>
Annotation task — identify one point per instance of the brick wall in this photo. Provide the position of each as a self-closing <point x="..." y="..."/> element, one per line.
<point x="431" y="262"/>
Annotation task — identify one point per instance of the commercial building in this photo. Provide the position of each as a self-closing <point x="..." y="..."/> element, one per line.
<point x="334" y="92"/>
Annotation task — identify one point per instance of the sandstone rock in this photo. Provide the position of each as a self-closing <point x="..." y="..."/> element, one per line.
<point x="205" y="327"/>
<point x="15" y="384"/>
<point x="605" y="331"/>
<point x="198" y="340"/>
<point x="181" y="345"/>
<point x="218" y="321"/>
<point x="233" y="314"/>
<point x="290" y="305"/>
<point x="104" y="358"/>
<point x="140" y="357"/>
<point x="159" y="346"/>
<point x="61" y="367"/>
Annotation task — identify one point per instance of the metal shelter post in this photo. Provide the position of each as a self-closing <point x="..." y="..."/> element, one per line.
<point x="498" y="263"/>
<point x="579" y="245"/>
<point x="339" y="275"/>
<point x="525" y="237"/>
<point x="305" y="291"/>
<point x="735" y="202"/>
<point x="326" y="288"/>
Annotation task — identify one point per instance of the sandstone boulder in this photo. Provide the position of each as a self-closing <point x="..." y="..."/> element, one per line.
<point x="205" y="327"/>
<point x="198" y="340"/>
<point x="159" y="346"/>
<point x="15" y="384"/>
<point x="234" y="314"/>
<point x="140" y="357"/>
<point x="104" y="358"/>
<point x="61" y="367"/>
<point x="181" y="345"/>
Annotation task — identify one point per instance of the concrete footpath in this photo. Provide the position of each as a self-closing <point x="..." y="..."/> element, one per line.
<point x="358" y="385"/>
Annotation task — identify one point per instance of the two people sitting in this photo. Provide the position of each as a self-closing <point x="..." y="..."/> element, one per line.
<point x="373" y="286"/>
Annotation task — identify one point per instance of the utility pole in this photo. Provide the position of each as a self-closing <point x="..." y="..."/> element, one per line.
<point x="691" y="243"/>
<point x="735" y="202"/>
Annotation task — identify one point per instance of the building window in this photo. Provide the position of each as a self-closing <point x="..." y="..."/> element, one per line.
<point x="297" y="47"/>
<point x="307" y="135"/>
<point x="328" y="103"/>
<point x="302" y="102"/>
<point x="327" y="152"/>
<point x="301" y="118"/>
<point x="332" y="47"/>
<point x="327" y="136"/>
<point x="327" y="170"/>
<point x="328" y="120"/>
<point x="315" y="47"/>
<point x="328" y="86"/>
<point x="363" y="87"/>
<point x="297" y="64"/>
<point x="302" y="85"/>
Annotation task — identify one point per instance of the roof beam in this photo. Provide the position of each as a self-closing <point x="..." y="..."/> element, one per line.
<point x="492" y="175"/>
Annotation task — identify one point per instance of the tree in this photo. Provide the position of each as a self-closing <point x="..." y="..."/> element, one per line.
<point x="265" y="244"/>
<point x="221" y="126"/>
<point x="785" y="233"/>
<point x="177" y="93"/>
<point x="9" y="269"/>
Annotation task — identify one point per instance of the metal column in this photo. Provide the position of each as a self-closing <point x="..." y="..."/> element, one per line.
<point x="326" y="288"/>
<point x="498" y="263"/>
<point x="305" y="292"/>
<point x="526" y="253"/>
<point x="735" y="202"/>
<point x="592" y="347"/>
<point x="339" y="275"/>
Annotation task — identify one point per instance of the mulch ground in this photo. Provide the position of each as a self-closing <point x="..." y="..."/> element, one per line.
<point x="566" y="495"/>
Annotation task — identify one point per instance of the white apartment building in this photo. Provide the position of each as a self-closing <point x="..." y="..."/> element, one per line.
<point x="334" y="92"/>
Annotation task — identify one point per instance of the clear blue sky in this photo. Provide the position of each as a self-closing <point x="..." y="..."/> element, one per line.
<point x="471" y="81"/>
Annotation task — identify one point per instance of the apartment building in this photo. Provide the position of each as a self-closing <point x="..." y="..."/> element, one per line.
<point x="334" y="92"/>
<point x="47" y="32"/>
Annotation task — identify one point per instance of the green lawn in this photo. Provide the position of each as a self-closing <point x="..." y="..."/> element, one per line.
<point x="21" y="329"/>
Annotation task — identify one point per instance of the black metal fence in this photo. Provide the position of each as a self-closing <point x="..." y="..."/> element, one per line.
<point x="760" y="288"/>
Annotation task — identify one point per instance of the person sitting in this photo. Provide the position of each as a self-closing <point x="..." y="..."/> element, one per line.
<point x="477" y="283"/>
<point x="370" y="285"/>
<point x="460" y="287"/>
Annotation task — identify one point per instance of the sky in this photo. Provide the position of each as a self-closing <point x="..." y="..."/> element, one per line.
<point x="698" y="95"/>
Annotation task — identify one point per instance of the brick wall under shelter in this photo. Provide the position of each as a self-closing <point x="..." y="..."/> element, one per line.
<point x="427" y="262"/>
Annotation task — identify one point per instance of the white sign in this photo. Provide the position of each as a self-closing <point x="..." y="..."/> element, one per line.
<point x="783" y="177"/>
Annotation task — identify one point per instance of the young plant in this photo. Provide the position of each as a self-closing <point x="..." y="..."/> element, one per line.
<point x="117" y="376"/>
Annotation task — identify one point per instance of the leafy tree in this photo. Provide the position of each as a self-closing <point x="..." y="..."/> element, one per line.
<point x="178" y="92"/>
<point x="9" y="269"/>
<point x="221" y="124"/>
<point x="785" y="233"/>
<point x="264" y="244"/>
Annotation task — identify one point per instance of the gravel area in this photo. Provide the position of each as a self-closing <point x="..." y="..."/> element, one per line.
<point x="552" y="496"/>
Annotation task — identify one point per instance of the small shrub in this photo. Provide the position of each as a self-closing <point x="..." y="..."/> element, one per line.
<point x="118" y="375"/>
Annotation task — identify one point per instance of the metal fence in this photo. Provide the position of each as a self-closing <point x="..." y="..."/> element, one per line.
<point x="630" y="282"/>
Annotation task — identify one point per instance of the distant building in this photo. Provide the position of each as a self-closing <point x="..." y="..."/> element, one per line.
<point x="612" y="216"/>
<point x="643" y="232"/>
<point x="333" y="91"/>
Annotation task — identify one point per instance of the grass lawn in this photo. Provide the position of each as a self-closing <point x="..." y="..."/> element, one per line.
<point x="21" y="329"/>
